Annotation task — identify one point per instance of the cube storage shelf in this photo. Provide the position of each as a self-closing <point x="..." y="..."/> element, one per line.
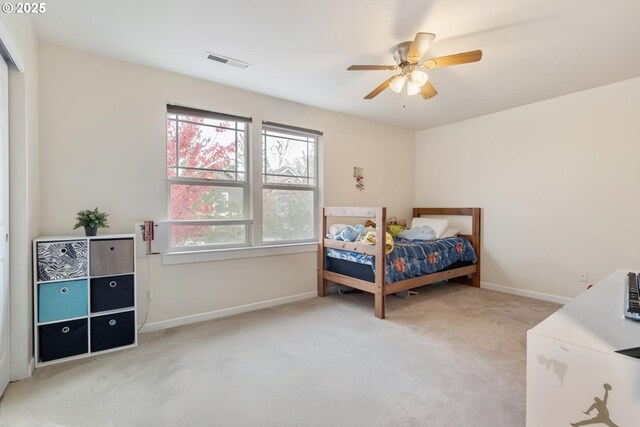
<point x="84" y="296"/>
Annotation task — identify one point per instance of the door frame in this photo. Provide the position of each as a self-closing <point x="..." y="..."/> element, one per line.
<point x="12" y="56"/>
<point x="5" y="283"/>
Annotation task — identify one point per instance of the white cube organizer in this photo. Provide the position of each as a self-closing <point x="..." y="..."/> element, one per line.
<point x="84" y="296"/>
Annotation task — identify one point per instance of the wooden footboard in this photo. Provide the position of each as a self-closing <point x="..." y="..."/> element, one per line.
<point x="379" y="288"/>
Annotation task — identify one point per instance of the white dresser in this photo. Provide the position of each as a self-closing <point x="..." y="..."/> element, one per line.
<point x="572" y="366"/>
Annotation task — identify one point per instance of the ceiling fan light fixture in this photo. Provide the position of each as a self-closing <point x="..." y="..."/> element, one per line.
<point x="397" y="83"/>
<point x="411" y="67"/>
<point x="412" y="88"/>
<point x="419" y="77"/>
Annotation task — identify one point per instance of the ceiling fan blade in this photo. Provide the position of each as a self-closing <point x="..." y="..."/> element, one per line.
<point x="428" y="91"/>
<point x="458" y="58"/>
<point x="379" y="89"/>
<point x="419" y="47"/>
<point x="372" y="67"/>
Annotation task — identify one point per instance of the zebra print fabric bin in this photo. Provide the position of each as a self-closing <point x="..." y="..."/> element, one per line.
<point x="62" y="260"/>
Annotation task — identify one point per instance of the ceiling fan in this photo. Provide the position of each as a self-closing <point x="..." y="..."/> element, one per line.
<point x="408" y="56"/>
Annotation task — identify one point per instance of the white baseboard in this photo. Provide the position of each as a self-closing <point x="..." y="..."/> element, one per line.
<point x="525" y="293"/>
<point x="165" y="324"/>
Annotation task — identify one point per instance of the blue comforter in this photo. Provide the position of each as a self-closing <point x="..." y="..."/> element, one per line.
<point x="415" y="258"/>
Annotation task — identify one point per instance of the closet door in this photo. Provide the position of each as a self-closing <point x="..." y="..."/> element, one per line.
<point x="4" y="227"/>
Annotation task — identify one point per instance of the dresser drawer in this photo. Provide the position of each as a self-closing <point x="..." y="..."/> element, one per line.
<point x="63" y="339"/>
<point x="61" y="260"/>
<point x="110" y="257"/>
<point x="111" y="293"/>
<point x="111" y="331"/>
<point x="62" y="300"/>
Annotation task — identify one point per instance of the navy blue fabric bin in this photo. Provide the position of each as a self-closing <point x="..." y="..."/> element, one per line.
<point x="113" y="330"/>
<point x="112" y="293"/>
<point x="63" y="339"/>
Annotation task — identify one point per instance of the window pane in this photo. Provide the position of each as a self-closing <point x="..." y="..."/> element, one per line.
<point x="206" y="202"/>
<point x="199" y="235"/>
<point x="208" y="174"/>
<point x="287" y="155"/>
<point x="283" y="179"/>
<point x="171" y="143"/>
<point x="287" y="215"/>
<point x="312" y="160"/>
<point x="211" y="122"/>
<point x="206" y="147"/>
<point x="240" y="152"/>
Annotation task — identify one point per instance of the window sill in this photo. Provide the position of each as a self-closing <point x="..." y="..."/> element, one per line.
<point x="176" y="258"/>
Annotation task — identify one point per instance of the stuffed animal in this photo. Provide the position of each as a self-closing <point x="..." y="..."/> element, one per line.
<point x="335" y="230"/>
<point x="349" y="234"/>
<point x="395" y="225"/>
<point x="397" y="221"/>
<point x="394" y="229"/>
<point x="370" y="239"/>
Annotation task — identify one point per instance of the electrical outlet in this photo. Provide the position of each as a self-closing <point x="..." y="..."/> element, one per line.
<point x="148" y="294"/>
<point x="584" y="277"/>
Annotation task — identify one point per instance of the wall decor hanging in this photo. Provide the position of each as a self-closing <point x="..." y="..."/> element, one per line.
<point x="358" y="175"/>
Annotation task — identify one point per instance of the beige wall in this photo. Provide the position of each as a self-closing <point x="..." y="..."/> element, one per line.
<point x="23" y="189"/>
<point x="103" y="144"/>
<point x="557" y="181"/>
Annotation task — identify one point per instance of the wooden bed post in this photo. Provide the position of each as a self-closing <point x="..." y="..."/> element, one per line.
<point x="381" y="261"/>
<point x="477" y="241"/>
<point x="322" y="259"/>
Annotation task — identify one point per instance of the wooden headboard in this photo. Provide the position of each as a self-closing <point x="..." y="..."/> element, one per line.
<point x="380" y="215"/>
<point x="474" y="213"/>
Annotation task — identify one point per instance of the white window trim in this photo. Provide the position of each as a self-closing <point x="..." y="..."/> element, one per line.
<point x="280" y="186"/>
<point x="245" y="185"/>
<point x="253" y="187"/>
<point x="246" y="221"/>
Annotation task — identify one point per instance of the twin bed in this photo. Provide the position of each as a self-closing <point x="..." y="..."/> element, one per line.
<point x="409" y="265"/>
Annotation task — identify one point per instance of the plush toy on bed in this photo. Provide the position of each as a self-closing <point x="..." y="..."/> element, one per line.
<point x="362" y="231"/>
<point x="395" y="225"/>
<point x="370" y="239"/>
<point x="347" y="233"/>
<point x="397" y="221"/>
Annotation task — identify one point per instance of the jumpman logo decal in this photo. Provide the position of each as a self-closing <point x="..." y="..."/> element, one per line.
<point x="600" y="405"/>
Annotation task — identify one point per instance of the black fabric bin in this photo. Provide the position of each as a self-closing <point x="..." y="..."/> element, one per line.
<point x="113" y="330"/>
<point x="62" y="339"/>
<point x="111" y="293"/>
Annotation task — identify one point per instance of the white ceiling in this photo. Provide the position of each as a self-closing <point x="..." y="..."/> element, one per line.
<point x="299" y="49"/>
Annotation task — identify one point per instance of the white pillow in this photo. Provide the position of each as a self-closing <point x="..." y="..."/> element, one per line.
<point x="450" y="232"/>
<point x="438" y="225"/>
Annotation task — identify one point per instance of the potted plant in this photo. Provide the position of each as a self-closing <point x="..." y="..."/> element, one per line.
<point x="91" y="220"/>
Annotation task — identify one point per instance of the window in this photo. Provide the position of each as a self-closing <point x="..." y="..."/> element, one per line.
<point x="212" y="202"/>
<point x="289" y="184"/>
<point x="207" y="178"/>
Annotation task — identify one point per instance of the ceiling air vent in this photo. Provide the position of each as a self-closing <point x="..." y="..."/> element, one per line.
<point x="225" y="60"/>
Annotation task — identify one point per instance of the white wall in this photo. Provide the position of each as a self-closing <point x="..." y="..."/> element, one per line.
<point x="23" y="189"/>
<point x="557" y="181"/>
<point x="103" y="144"/>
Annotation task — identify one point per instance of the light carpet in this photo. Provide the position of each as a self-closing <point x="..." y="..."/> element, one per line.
<point x="451" y="356"/>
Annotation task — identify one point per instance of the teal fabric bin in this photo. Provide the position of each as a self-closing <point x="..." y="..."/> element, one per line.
<point x="62" y="300"/>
